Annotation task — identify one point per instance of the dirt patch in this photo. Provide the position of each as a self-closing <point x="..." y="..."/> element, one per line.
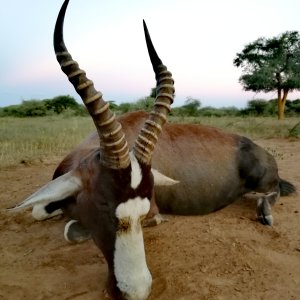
<point x="224" y="255"/>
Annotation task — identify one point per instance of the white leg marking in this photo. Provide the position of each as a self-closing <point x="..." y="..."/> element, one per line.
<point x="39" y="213"/>
<point x="131" y="271"/>
<point x="67" y="226"/>
<point x="136" y="172"/>
<point x="75" y="233"/>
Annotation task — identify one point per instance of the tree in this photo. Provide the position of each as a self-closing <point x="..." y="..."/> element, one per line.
<point x="272" y="65"/>
<point x="60" y="103"/>
<point x="191" y="107"/>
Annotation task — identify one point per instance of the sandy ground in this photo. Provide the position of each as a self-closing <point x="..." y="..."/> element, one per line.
<point x="224" y="255"/>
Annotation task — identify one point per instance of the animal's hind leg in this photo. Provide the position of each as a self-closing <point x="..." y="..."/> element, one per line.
<point x="264" y="204"/>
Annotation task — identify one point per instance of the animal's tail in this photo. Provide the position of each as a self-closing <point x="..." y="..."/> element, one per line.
<point x="286" y="188"/>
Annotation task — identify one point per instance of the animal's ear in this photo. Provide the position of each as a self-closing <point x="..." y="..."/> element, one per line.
<point x="161" y="179"/>
<point x="58" y="189"/>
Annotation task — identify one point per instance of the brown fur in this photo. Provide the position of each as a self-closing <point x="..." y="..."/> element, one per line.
<point x="214" y="168"/>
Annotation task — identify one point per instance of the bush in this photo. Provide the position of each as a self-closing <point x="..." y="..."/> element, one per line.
<point x="124" y="107"/>
<point x="68" y="106"/>
<point x="29" y="108"/>
<point x="145" y="104"/>
<point x="41" y="108"/>
<point x="33" y="108"/>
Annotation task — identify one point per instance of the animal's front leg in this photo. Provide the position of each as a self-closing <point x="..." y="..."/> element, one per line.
<point x="40" y="212"/>
<point x="264" y="211"/>
<point x="153" y="217"/>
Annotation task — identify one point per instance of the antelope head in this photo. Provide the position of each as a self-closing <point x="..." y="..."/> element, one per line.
<point x="117" y="196"/>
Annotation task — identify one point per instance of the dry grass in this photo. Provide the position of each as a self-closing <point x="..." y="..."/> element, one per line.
<point x="30" y="140"/>
<point x="39" y="139"/>
<point x="252" y="127"/>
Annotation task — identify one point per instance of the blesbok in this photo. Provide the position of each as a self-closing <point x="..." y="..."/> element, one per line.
<point x="112" y="187"/>
<point x="105" y="191"/>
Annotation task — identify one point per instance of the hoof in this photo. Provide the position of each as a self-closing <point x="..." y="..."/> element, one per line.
<point x="154" y="221"/>
<point x="263" y="211"/>
<point x="75" y="233"/>
<point x="266" y="220"/>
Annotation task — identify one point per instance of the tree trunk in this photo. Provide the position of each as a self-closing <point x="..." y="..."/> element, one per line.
<point x="281" y="103"/>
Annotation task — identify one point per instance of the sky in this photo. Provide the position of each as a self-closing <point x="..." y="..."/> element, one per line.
<point x="197" y="40"/>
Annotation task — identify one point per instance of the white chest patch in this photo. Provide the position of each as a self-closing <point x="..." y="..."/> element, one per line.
<point x="133" y="277"/>
<point x="136" y="172"/>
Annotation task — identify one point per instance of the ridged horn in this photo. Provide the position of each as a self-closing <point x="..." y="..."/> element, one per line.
<point x="146" y="141"/>
<point x="113" y="145"/>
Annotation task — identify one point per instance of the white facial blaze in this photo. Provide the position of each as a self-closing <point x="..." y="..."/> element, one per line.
<point x="133" y="277"/>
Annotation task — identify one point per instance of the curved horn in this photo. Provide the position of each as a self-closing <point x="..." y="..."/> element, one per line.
<point x="113" y="145"/>
<point x="148" y="136"/>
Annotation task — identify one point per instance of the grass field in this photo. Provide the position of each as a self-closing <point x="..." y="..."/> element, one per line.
<point x="29" y="140"/>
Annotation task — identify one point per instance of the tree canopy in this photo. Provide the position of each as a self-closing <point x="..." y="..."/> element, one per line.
<point x="271" y="65"/>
